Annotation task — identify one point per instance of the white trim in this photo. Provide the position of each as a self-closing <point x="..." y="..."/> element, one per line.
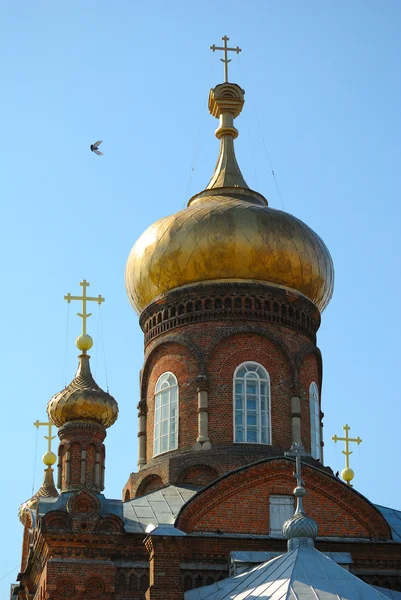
<point x="314" y="421"/>
<point x="265" y="379"/>
<point x="158" y="392"/>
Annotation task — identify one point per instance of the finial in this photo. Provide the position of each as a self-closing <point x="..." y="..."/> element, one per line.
<point x="84" y="342"/>
<point x="226" y="50"/>
<point x="47" y="489"/>
<point x="49" y="458"/>
<point x="347" y="474"/>
<point x="299" y="530"/>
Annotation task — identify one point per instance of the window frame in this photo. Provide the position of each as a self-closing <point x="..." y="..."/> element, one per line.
<point x="259" y="409"/>
<point x="158" y="392"/>
<point x="314" y="422"/>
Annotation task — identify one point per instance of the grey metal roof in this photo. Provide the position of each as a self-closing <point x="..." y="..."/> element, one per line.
<point x="302" y="574"/>
<point x="393" y="518"/>
<point x="157" y="508"/>
<point x="393" y="595"/>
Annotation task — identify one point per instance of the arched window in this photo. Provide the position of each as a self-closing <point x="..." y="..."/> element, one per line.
<point x="252" y="404"/>
<point x="314" y="420"/>
<point x="166" y="414"/>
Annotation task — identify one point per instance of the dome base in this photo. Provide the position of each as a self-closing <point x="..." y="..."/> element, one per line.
<point x="228" y="300"/>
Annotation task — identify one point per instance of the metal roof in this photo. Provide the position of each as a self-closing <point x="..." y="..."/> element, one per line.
<point x="392" y="594"/>
<point x="302" y="574"/>
<point x="393" y="518"/>
<point x="157" y="508"/>
<point x="162" y="506"/>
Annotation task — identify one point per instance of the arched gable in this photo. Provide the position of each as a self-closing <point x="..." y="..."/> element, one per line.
<point x="239" y="503"/>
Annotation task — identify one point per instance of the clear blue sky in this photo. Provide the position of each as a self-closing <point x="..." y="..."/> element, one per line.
<point x="323" y="94"/>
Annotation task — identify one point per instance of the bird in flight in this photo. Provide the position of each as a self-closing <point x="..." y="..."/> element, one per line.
<point x="95" y="148"/>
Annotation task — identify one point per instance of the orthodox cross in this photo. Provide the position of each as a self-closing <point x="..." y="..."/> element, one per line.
<point x="347" y="440"/>
<point x="49" y="437"/>
<point x="298" y="451"/>
<point x="84" y="315"/>
<point x="225" y="49"/>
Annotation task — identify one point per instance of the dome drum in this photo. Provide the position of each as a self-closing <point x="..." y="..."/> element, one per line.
<point x="224" y="301"/>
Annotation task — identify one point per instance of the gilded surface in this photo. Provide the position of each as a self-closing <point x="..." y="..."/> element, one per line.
<point x="47" y="490"/>
<point x="83" y="400"/>
<point x="223" y="238"/>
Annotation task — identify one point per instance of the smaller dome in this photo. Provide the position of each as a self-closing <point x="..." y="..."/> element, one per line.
<point x="300" y="526"/>
<point x="47" y="490"/>
<point x="83" y="400"/>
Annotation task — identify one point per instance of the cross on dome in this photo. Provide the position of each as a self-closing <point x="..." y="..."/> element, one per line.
<point x="226" y="50"/>
<point x="84" y="342"/>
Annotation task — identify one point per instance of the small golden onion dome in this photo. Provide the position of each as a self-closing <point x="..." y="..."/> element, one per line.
<point x="47" y="490"/>
<point x="228" y="233"/>
<point x="83" y="400"/>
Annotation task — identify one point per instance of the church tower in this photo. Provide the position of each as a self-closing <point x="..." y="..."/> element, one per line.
<point x="229" y="293"/>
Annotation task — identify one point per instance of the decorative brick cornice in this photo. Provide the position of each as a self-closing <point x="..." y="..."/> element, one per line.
<point x="225" y="301"/>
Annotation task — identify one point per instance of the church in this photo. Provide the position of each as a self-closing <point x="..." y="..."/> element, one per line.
<point x="230" y="294"/>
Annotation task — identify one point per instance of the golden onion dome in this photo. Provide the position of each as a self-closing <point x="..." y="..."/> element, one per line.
<point x="47" y="490"/>
<point x="228" y="233"/>
<point x="83" y="400"/>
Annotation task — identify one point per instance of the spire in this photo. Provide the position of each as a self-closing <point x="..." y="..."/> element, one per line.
<point x="83" y="412"/>
<point x="47" y="489"/>
<point x="299" y="530"/>
<point x="225" y="103"/>
<point x="83" y="399"/>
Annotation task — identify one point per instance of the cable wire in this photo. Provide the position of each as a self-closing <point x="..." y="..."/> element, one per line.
<point x="34" y="461"/>
<point x="66" y="346"/>
<point x="195" y="154"/>
<point x="104" y="351"/>
<point x="97" y="338"/>
<point x="9" y="573"/>
<point x="263" y="139"/>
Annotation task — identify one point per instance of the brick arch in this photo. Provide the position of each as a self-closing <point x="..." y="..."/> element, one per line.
<point x="238" y="502"/>
<point x="83" y="502"/>
<point x="110" y="523"/>
<point x="181" y="340"/>
<point x="301" y="357"/>
<point x="57" y="520"/>
<point x="231" y="351"/>
<point x="149" y="484"/>
<point x="256" y="330"/>
<point x="198" y="474"/>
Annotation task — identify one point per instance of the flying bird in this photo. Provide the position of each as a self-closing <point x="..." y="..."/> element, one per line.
<point x="95" y="148"/>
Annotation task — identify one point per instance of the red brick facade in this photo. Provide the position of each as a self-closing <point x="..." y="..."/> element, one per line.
<point x="202" y="335"/>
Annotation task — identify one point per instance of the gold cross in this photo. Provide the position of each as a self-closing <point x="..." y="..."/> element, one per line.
<point x="48" y="437"/>
<point x="225" y="49"/>
<point x="347" y="451"/>
<point x="84" y="315"/>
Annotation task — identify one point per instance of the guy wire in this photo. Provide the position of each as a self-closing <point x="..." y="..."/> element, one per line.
<point x="104" y="351"/>
<point x="195" y="154"/>
<point x="263" y="139"/>
<point x="66" y="346"/>
<point x="97" y="337"/>
<point x="34" y="462"/>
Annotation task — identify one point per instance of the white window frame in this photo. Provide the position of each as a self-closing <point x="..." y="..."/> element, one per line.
<point x="160" y="388"/>
<point x="281" y="508"/>
<point x="252" y="366"/>
<point x="314" y="410"/>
